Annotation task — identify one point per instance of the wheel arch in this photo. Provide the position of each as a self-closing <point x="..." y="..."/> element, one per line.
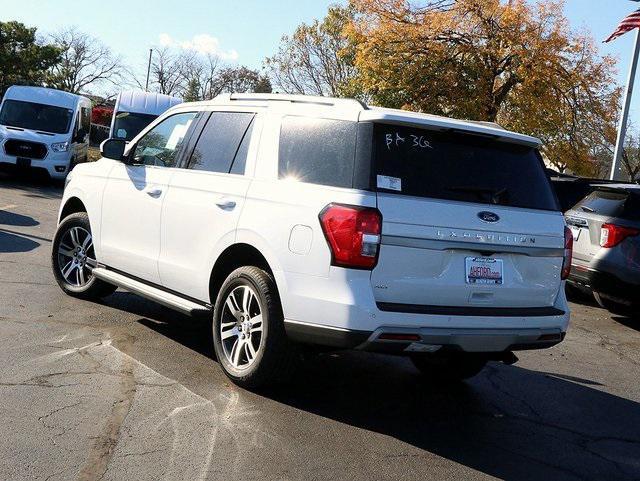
<point x="71" y="206"/>
<point x="235" y="256"/>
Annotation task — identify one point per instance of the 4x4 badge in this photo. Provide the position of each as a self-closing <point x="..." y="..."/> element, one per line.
<point x="486" y="216"/>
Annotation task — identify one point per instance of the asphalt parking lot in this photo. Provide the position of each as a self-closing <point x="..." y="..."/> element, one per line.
<point x="129" y="390"/>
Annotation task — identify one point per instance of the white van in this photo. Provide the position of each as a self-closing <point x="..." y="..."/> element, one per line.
<point x="44" y="128"/>
<point x="135" y="109"/>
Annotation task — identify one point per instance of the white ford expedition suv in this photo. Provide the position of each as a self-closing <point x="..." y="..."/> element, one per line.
<point x="294" y="220"/>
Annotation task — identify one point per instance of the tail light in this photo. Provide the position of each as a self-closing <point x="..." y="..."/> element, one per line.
<point x="568" y="253"/>
<point x="353" y="234"/>
<point x="611" y="235"/>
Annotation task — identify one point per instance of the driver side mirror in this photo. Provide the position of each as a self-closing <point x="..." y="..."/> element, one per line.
<point x="113" y="149"/>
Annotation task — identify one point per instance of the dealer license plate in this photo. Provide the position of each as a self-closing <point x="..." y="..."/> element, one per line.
<point x="483" y="270"/>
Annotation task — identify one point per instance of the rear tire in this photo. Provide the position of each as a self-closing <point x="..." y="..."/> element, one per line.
<point x="614" y="306"/>
<point x="449" y="369"/>
<point x="73" y="258"/>
<point x="248" y="330"/>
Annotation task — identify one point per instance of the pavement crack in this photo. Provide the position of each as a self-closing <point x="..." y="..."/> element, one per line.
<point x="101" y="453"/>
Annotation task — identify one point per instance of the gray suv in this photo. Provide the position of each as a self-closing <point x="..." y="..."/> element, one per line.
<point x="606" y="251"/>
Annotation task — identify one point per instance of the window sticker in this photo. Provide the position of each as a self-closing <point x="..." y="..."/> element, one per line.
<point x="390" y="183"/>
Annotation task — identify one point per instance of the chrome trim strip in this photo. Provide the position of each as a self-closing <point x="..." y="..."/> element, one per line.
<point x="311" y="324"/>
<point x="435" y="244"/>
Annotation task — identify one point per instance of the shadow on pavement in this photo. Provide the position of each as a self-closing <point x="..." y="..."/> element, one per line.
<point x="11" y="218"/>
<point x="508" y="422"/>
<point x="188" y="331"/>
<point x="35" y="185"/>
<point x="10" y="242"/>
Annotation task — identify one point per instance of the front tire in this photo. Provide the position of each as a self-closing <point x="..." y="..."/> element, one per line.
<point x="248" y="330"/>
<point x="73" y="258"/>
<point x="449" y="369"/>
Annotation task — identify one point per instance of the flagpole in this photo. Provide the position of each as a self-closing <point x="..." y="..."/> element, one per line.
<point x="616" y="167"/>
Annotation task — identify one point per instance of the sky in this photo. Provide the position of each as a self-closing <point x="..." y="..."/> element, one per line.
<point x="247" y="31"/>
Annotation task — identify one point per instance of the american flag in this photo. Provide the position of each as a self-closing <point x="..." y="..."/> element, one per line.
<point x="632" y="21"/>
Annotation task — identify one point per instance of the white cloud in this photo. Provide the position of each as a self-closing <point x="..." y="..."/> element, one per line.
<point x="202" y="43"/>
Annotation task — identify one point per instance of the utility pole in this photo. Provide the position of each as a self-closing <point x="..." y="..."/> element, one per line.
<point x="616" y="167"/>
<point x="146" y="87"/>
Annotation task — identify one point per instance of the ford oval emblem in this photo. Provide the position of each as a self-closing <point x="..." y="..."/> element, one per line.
<point x="486" y="216"/>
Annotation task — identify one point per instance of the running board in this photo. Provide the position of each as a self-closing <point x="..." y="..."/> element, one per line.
<point x="160" y="296"/>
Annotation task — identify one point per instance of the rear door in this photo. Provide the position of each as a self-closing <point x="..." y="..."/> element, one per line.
<point x="467" y="221"/>
<point x="204" y="202"/>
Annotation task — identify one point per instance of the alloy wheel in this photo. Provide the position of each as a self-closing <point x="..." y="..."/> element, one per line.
<point x="76" y="257"/>
<point x="241" y="327"/>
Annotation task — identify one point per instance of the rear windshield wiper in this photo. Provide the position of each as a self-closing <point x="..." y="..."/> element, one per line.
<point x="496" y="195"/>
<point x="587" y="209"/>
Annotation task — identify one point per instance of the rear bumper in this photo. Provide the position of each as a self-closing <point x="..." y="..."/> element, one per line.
<point x="340" y="311"/>
<point x="603" y="282"/>
<point x="407" y="340"/>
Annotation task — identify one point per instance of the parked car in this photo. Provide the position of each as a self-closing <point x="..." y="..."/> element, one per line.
<point x="44" y="129"/>
<point x="295" y="220"/>
<point x="135" y="109"/>
<point x="571" y="189"/>
<point x="606" y="260"/>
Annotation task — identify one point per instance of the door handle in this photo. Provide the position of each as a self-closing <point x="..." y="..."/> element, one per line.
<point x="226" y="204"/>
<point x="155" y="193"/>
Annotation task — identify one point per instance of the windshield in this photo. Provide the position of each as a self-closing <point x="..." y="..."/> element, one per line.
<point x="33" y="116"/>
<point x="460" y="166"/>
<point x="130" y="124"/>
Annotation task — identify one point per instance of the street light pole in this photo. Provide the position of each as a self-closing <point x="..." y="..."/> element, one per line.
<point x="146" y="88"/>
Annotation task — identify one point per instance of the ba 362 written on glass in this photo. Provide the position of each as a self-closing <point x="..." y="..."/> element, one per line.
<point x="415" y="141"/>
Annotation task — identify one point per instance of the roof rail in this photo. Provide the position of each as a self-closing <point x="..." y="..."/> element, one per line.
<point x="301" y="99"/>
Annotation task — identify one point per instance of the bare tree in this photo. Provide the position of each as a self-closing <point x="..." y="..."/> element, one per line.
<point x="167" y="71"/>
<point x="202" y="75"/>
<point x="84" y="61"/>
<point x="316" y="58"/>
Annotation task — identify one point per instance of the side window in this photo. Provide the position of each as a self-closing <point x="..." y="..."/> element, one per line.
<point x="240" y="160"/>
<point x="219" y="141"/>
<point x="319" y="151"/>
<point x="160" y="146"/>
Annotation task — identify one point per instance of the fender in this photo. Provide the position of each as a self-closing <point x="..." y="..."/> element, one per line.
<point x="87" y="184"/>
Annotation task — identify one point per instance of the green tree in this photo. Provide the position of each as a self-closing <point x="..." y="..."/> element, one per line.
<point x="23" y="59"/>
<point x="192" y="91"/>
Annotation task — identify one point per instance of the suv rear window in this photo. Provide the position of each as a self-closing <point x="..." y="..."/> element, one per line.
<point x="612" y="203"/>
<point x="318" y="151"/>
<point x="461" y="167"/>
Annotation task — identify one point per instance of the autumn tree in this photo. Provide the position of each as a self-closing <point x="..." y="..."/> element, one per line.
<point x="84" y="62"/>
<point x="516" y="62"/>
<point x="631" y="156"/>
<point x="316" y="59"/>
<point x="24" y="60"/>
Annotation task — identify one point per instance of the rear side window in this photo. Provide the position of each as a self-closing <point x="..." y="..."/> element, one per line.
<point x="461" y="167"/>
<point x="611" y="203"/>
<point x="220" y="140"/>
<point x="318" y="151"/>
